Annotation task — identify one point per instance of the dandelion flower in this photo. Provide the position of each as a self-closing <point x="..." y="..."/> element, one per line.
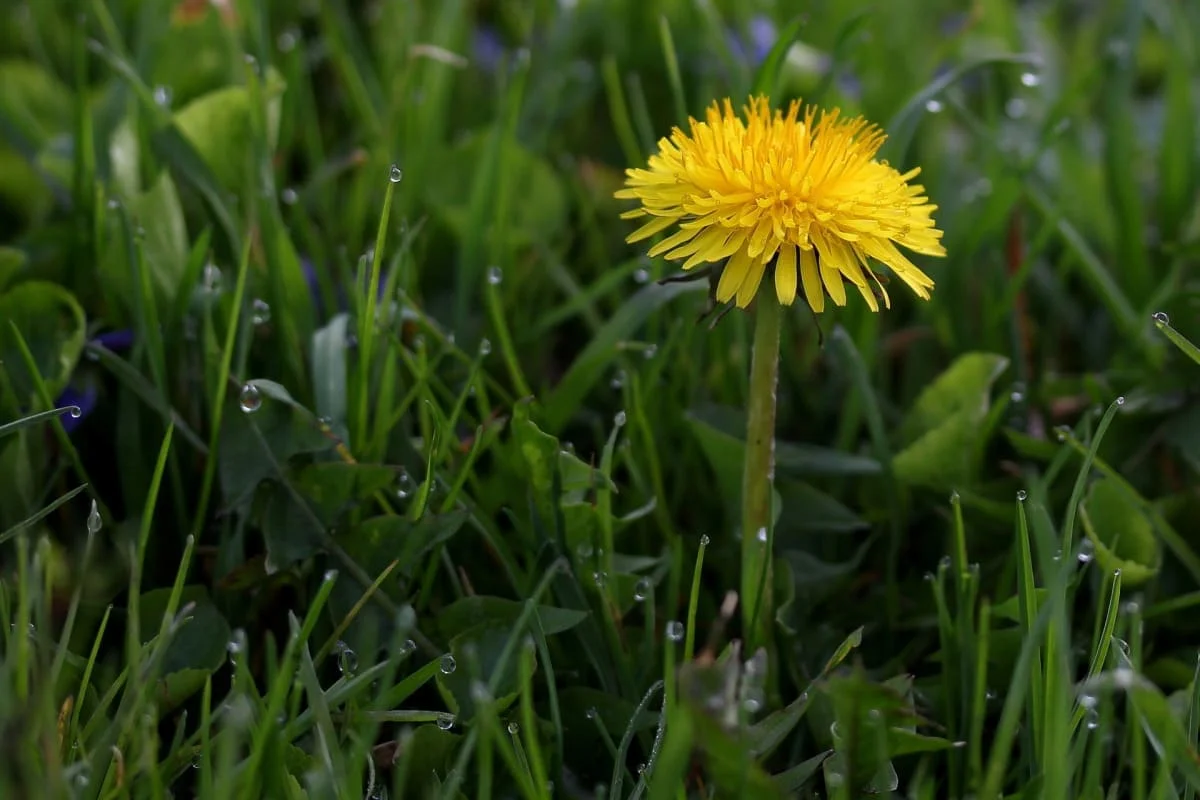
<point x="799" y="197"/>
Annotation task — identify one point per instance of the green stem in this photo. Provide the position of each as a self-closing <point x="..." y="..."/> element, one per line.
<point x="759" y="473"/>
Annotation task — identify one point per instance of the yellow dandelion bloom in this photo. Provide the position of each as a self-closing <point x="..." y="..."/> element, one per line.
<point x="804" y="197"/>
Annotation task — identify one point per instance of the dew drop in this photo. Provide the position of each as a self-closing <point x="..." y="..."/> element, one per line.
<point x="1030" y="79"/>
<point x="599" y="578"/>
<point x="592" y="713"/>
<point x="704" y="540"/>
<point x="480" y="692"/>
<point x="1121" y="400"/>
<point x="485" y="347"/>
<point x="641" y="275"/>
<point x="94" y="523"/>
<point x="620" y="419"/>
<point x="495" y="275"/>
<point x="642" y="589"/>
<point x="250" y="399"/>
<point x="330" y="575"/>
<point x="1084" y="555"/>
<point x="618" y="379"/>
<point x="162" y="96"/>
<point x="396" y="174"/>
<point x="289" y="196"/>
<point x="260" y="312"/>
<point x="513" y="729"/>
<point x="113" y="204"/>
<point x="445" y="722"/>
<point x="212" y="279"/>
<point x="1018" y="393"/>
<point x="347" y="659"/>
<point x="1093" y="720"/>
<point x="933" y="106"/>
<point x="1131" y="607"/>
<point x="761" y="535"/>
<point x="1022" y="495"/>
<point x="1161" y="319"/>
<point x="448" y="664"/>
<point x="286" y="41"/>
<point x="650" y="352"/>
<point x="585" y="551"/>
<point x="674" y="630"/>
<point x="1015" y="108"/>
<point x="1062" y="432"/>
<point x="75" y="411"/>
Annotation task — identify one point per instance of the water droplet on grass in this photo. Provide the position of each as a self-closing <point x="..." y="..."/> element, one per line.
<point x="286" y="41"/>
<point x="495" y="276"/>
<point x="445" y="722"/>
<point x="641" y="275"/>
<point x="642" y="589"/>
<point x="162" y="96"/>
<point x="212" y="279"/>
<point x="448" y="664"/>
<point x="933" y="106"/>
<point x="485" y="347"/>
<point x="1015" y="108"/>
<point x="75" y="411"/>
<point x="347" y="659"/>
<point x="94" y="523"/>
<point x="704" y="540"/>
<point x="1160" y="318"/>
<point x="1121" y="400"/>
<point x="260" y="312"/>
<point x="761" y="535"/>
<point x="1030" y="79"/>
<point x="396" y="174"/>
<point x="592" y="713"/>
<point x="619" y="419"/>
<point x="289" y="197"/>
<point x="618" y="379"/>
<point x="513" y="728"/>
<point x="250" y="399"/>
<point x="674" y="630"/>
<point x="599" y="578"/>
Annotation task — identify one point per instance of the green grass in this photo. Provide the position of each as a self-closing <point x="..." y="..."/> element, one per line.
<point x="475" y="533"/>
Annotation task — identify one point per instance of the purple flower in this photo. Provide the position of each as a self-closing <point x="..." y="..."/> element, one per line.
<point x="755" y="43"/>
<point x="82" y="392"/>
<point x="487" y="48"/>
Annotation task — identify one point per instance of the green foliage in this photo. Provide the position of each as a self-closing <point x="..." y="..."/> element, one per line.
<point x="346" y="449"/>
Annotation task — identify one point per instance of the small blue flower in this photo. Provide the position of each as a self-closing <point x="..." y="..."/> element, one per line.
<point x="487" y="48"/>
<point x="755" y="43"/>
<point x="82" y="391"/>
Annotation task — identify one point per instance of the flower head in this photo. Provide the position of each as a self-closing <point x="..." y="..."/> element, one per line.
<point x="802" y="198"/>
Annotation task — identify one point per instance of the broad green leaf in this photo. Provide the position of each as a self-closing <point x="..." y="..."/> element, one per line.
<point x="165" y="245"/>
<point x="378" y="541"/>
<point x="197" y="650"/>
<point x="12" y="261"/>
<point x="218" y="126"/>
<point x="255" y="445"/>
<point x="476" y="609"/>
<point x="943" y="428"/>
<point x="482" y="644"/>
<point x="791" y="781"/>
<point x="539" y="215"/>
<point x="1121" y="533"/>
<point x="33" y="102"/>
<point x="329" y="368"/>
<point x="52" y="324"/>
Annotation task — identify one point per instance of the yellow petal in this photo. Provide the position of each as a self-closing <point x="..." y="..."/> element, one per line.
<point x="674" y="240"/>
<point x="812" y="280"/>
<point x="652" y="227"/>
<point x="736" y="269"/>
<point x="785" y="274"/>
<point x="749" y="287"/>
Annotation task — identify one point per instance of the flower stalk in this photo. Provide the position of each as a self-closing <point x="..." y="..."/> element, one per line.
<point x="758" y="474"/>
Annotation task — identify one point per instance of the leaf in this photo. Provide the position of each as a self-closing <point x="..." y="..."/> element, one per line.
<point x="808" y="510"/>
<point x="790" y="781"/>
<point x="483" y="646"/>
<point x="539" y="216"/>
<point x="35" y="103"/>
<point x="790" y="459"/>
<point x="254" y="445"/>
<point x="165" y="247"/>
<point x="588" y="367"/>
<point x="943" y="428"/>
<point x="329" y="368"/>
<point x="12" y="261"/>
<point x="1121" y="533"/>
<point x="196" y="651"/>
<point x="864" y="712"/>
<point x="52" y="324"/>
<point x="469" y="611"/>
<point x="378" y="541"/>
<point x="218" y="126"/>
<point x="292" y="531"/>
